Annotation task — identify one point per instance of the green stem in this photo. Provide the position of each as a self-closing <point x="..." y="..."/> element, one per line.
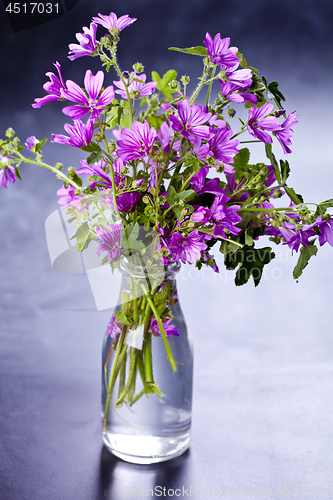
<point x="210" y="85"/>
<point x="160" y="325"/>
<point x="130" y="376"/>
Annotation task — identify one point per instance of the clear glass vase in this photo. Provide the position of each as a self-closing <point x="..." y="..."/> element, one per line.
<point x="147" y="369"/>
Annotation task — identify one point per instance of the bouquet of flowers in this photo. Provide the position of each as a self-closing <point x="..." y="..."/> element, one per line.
<point x="167" y="177"/>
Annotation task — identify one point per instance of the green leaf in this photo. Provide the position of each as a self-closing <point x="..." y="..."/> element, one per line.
<point x="92" y="198"/>
<point x="93" y="146"/>
<point x="272" y="159"/>
<point x="122" y="318"/>
<point x="83" y="236"/>
<point x="155" y="121"/>
<point x="184" y="195"/>
<point x="250" y="261"/>
<point x="278" y="96"/>
<point x="305" y="254"/>
<point x="36" y="148"/>
<point x="285" y="170"/>
<point x="195" y="51"/>
<point x="171" y="195"/>
<point x="296" y="198"/>
<point x="243" y="62"/>
<point x="163" y="83"/>
<point x="242" y="159"/>
<point x="95" y="156"/>
<point x="323" y="206"/>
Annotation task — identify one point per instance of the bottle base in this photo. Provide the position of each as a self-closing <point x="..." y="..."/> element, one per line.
<point x="146" y="449"/>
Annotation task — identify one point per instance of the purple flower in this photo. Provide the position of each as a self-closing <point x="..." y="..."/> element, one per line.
<point x="231" y="92"/>
<point x="80" y="134"/>
<point x="220" y="52"/>
<point x="259" y="121"/>
<point x="53" y="88"/>
<point x="7" y="172"/>
<point x="190" y="121"/>
<point x="113" y="328"/>
<point x="233" y="186"/>
<point x="224" y="218"/>
<point x="168" y="328"/>
<point x="87" y="43"/>
<point x="187" y="248"/>
<point x="295" y="237"/>
<point x="111" y="22"/>
<point x="30" y="142"/>
<point x="138" y="89"/>
<point x="95" y="169"/>
<point x="94" y="102"/>
<point x="136" y="143"/>
<point x="222" y="147"/>
<point x="201" y="151"/>
<point x="325" y="230"/>
<point x="109" y="240"/>
<point x="242" y="78"/>
<point x="68" y="198"/>
<point x="285" y="132"/>
<point x="211" y="186"/>
<point x="209" y="260"/>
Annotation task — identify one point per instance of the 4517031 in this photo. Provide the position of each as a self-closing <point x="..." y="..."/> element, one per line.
<point x="32" y="8"/>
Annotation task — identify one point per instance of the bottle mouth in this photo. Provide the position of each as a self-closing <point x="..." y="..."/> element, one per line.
<point x="137" y="267"/>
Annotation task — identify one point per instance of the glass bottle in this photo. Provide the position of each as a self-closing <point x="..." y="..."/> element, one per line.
<point x="147" y="371"/>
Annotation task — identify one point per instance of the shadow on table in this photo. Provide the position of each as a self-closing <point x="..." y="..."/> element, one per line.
<point x="119" y="479"/>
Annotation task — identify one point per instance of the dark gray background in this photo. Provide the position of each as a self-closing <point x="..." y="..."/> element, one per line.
<point x="263" y="357"/>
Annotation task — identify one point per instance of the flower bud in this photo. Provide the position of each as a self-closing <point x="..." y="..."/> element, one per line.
<point x="138" y="67"/>
<point x="98" y="137"/>
<point x="112" y="146"/>
<point x="185" y="79"/>
<point x="10" y="132"/>
<point x="174" y="85"/>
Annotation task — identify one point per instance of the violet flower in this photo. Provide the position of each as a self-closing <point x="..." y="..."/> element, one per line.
<point x="325" y="230"/>
<point x="30" y="142"/>
<point x="190" y="121"/>
<point x="211" y="186"/>
<point x="7" y="172"/>
<point x="220" y="53"/>
<point x="68" y="198"/>
<point x="53" y="88"/>
<point x="113" y="328"/>
<point x="94" y="102"/>
<point x="87" y="43"/>
<point x="222" y="217"/>
<point x="95" y="169"/>
<point x="222" y="147"/>
<point x="259" y="122"/>
<point x="285" y="132"/>
<point x="138" y="89"/>
<point x="136" y="142"/>
<point x="295" y="237"/>
<point x="111" y="21"/>
<point x="80" y="134"/>
<point x="187" y="248"/>
<point x="109" y="240"/>
<point x="168" y="328"/>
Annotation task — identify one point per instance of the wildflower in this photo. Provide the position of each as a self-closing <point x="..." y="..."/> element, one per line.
<point x="325" y="230"/>
<point x="7" y="171"/>
<point x="211" y="186"/>
<point x="136" y="89"/>
<point x="113" y="328"/>
<point x="222" y="217"/>
<point x="87" y="43"/>
<point x="136" y="143"/>
<point x="68" y="198"/>
<point x="95" y="169"/>
<point x="285" y="132"/>
<point x="259" y="122"/>
<point x="187" y="248"/>
<point x="294" y="237"/>
<point x="53" y="88"/>
<point x="94" y="102"/>
<point x="30" y="142"/>
<point x="190" y="121"/>
<point x="220" y="52"/>
<point x="168" y="328"/>
<point x="109" y="240"/>
<point x="80" y="134"/>
<point x="111" y="22"/>
<point x="222" y="147"/>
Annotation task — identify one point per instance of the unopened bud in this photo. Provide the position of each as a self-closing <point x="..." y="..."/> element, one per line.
<point x="174" y="85"/>
<point x="98" y="137"/>
<point x="10" y="132"/>
<point x="145" y="199"/>
<point x="185" y="79"/>
<point x="220" y="168"/>
<point x="112" y="146"/>
<point x="138" y="67"/>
